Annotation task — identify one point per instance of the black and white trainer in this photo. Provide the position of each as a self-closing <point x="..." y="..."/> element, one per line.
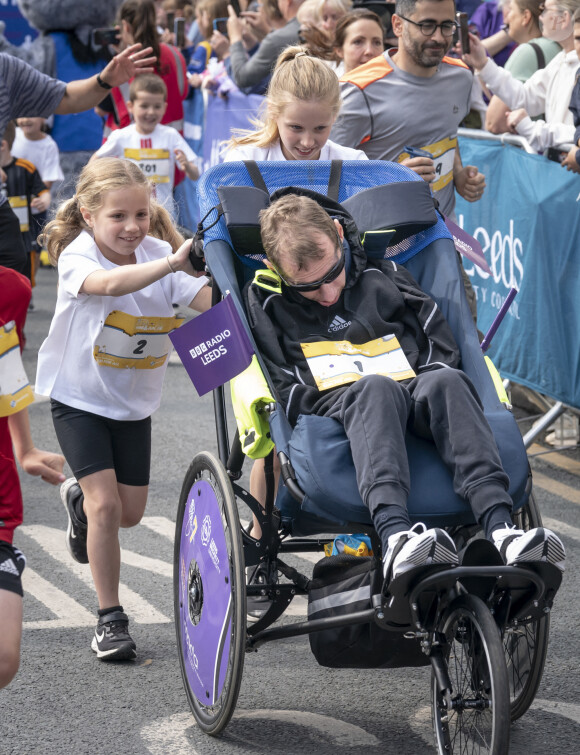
<point x="76" y="531"/>
<point x="112" y="641"/>
<point x="539" y="544"/>
<point x="418" y="548"/>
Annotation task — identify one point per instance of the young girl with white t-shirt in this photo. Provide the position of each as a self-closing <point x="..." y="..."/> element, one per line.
<point x="104" y="360"/>
<point x="301" y="106"/>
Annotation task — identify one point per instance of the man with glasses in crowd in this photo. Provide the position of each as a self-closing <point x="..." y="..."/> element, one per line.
<point x="414" y="96"/>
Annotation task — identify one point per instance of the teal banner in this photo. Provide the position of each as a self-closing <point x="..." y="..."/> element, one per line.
<point x="528" y="225"/>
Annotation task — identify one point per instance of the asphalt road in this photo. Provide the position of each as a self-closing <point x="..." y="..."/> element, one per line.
<point x="65" y="701"/>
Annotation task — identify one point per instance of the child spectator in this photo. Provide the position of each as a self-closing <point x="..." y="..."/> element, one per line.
<point x="156" y="149"/>
<point x="104" y="360"/>
<point x="34" y="144"/>
<point x="207" y="12"/>
<point x="25" y="191"/>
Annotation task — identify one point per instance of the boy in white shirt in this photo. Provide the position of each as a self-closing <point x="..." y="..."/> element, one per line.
<point x="156" y="149"/>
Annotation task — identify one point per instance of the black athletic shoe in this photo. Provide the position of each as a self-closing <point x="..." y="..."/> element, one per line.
<point x="112" y="641"/>
<point x="257" y="605"/>
<point x="76" y="532"/>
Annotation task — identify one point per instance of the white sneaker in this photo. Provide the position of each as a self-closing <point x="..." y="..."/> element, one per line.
<point x="539" y="544"/>
<point x="416" y="548"/>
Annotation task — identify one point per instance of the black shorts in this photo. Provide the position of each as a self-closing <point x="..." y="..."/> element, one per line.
<point x="91" y="443"/>
<point x="11" y="567"/>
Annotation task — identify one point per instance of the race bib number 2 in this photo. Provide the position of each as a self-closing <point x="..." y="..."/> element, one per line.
<point x="15" y="390"/>
<point x="334" y="363"/>
<point x="127" y="341"/>
<point x="153" y="162"/>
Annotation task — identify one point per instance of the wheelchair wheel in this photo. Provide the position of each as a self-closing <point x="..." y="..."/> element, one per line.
<point x="474" y="717"/>
<point x="209" y="593"/>
<point x="526" y="645"/>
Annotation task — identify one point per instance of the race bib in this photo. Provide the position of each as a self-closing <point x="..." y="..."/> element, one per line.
<point x="20" y="207"/>
<point x="443" y="158"/>
<point x="127" y="341"/>
<point x="335" y="363"/>
<point x="153" y="162"/>
<point x="15" y="390"/>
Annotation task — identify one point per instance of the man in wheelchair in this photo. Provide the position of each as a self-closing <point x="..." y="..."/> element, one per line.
<point x="357" y="340"/>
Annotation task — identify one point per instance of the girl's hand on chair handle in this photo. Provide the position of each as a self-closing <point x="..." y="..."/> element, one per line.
<point x="180" y="260"/>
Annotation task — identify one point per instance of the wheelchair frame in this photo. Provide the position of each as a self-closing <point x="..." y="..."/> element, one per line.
<point x="488" y="619"/>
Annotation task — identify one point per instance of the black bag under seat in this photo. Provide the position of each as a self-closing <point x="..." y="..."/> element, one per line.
<point x="342" y="585"/>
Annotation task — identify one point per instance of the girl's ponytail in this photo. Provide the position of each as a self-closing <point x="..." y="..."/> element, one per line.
<point x="63" y="230"/>
<point x="162" y="226"/>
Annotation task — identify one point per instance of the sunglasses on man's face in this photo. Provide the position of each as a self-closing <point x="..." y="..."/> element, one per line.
<point x="330" y="276"/>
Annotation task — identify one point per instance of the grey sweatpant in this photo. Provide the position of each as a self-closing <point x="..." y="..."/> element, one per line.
<point x="440" y="404"/>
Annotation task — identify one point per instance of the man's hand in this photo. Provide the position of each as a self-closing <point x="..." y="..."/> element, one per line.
<point x="235" y="28"/>
<point x="44" y="464"/>
<point x="257" y="24"/>
<point x="423" y="166"/>
<point x="220" y="44"/>
<point x="128" y="64"/>
<point x="477" y="58"/>
<point x="514" y="118"/>
<point x="570" y="162"/>
<point x="469" y="182"/>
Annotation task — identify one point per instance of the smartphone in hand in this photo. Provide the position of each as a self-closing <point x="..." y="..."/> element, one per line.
<point x="236" y="6"/>
<point x="106" y="37"/>
<point x="221" y="25"/>
<point x="417" y="152"/>
<point x="179" y="32"/>
<point x="169" y="20"/>
<point x="463" y="28"/>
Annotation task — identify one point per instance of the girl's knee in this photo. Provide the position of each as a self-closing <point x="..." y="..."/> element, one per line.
<point x="106" y="509"/>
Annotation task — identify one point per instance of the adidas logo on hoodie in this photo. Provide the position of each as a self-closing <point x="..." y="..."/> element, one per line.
<point x="338" y="324"/>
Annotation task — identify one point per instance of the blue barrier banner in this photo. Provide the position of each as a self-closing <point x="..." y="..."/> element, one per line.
<point x="224" y="115"/>
<point x="205" y="128"/>
<point x="528" y="224"/>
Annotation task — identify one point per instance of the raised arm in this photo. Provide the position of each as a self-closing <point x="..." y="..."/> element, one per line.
<point x="84" y="94"/>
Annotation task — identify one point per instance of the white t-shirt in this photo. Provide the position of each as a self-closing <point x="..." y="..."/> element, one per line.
<point x="330" y="151"/>
<point x="108" y="354"/>
<point x="42" y="153"/>
<point x="154" y="153"/>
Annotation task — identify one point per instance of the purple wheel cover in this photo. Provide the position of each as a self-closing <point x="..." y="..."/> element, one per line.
<point x="205" y="644"/>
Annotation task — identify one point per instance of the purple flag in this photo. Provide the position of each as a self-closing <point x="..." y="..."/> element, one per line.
<point x="467" y="245"/>
<point x="214" y="347"/>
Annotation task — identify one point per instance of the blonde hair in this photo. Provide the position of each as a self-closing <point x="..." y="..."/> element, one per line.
<point x="97" y="179"/>
<point x="298" y="77"/>
<point x="289" y="228"/>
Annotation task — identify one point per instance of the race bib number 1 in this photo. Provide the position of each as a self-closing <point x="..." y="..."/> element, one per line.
<point x="15" y="390"/>
<point x="153" y="162"/>
<point x="334" y="363"/>
<point x="127" y="341"/>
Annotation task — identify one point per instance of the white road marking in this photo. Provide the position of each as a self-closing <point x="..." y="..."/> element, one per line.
<point x="52" y="541"/>
<point x="69" y="612"/>
<point x="561" y="528"/>
<point x="568" y="710"/>
<point x="161" y="525"/>
<point x="170" y="734"/>
<point x="155" y="565"/>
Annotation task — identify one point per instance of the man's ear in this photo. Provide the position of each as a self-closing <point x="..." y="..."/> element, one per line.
<point x="397" y="24"/>
<point x="338" y="229"/>
<point x="268" y="263"/>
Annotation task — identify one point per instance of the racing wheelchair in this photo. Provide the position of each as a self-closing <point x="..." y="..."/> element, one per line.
<point x="481" y="626"/>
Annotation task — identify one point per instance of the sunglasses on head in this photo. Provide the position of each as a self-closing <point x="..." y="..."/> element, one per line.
<point x="330" y="276"/>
